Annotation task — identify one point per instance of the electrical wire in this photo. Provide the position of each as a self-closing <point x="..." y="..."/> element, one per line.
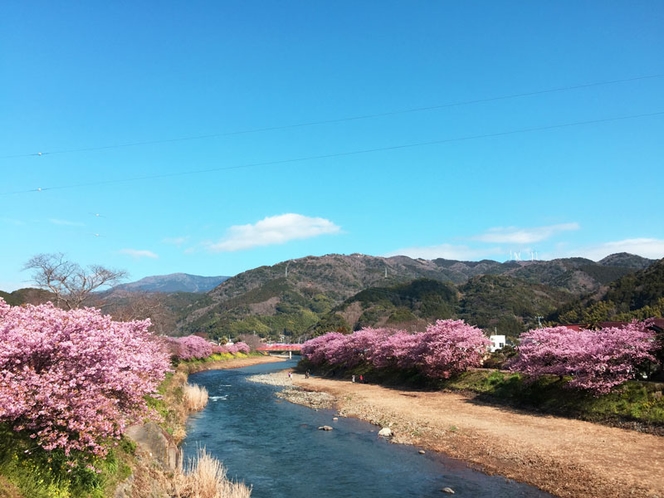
<point x="341" y="154"/>
<point x="332" y="121"/>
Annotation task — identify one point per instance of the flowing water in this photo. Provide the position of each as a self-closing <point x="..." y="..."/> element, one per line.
<point x="276" y="447"/>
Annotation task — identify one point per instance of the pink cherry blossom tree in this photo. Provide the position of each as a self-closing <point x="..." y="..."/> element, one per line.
<point x="72" y="380"/>
<point x="397" y="350"/>
<point x="314" y="349"/>
<point x="190" y="347"/>
<point x="596" y="360"/>
<point x="449" y="347"/>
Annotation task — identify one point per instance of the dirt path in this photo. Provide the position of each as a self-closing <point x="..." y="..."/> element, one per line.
<point x="567" y="458"/>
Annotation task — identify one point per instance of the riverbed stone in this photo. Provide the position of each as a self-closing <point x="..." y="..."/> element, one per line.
<point x="325" y="428"/>
<point x="385" y="432"/>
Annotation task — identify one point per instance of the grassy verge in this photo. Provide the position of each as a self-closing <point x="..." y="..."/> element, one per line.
<point x="28" y="471"/>
<point x="637" y="405"/>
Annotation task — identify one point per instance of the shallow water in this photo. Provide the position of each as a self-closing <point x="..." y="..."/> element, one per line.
<point x="276" y="447"/>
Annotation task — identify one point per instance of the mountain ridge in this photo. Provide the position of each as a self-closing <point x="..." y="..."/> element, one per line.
<point x="173" y="282"/>
<point x="298" y="298"/>
<point x="291" y="297"/>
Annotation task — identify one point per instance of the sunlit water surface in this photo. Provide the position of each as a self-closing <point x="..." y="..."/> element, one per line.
<point x="276" y="447"/>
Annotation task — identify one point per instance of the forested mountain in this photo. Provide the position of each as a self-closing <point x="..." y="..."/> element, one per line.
<point x="314" y="294"/>
<point x="27" y="295"/>
<point x="508" y="304"/>
<point x="636" y="295"/>
<point x="409" y="306"/>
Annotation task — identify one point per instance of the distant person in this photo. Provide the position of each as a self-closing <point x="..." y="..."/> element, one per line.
<point x="353" y="379"/>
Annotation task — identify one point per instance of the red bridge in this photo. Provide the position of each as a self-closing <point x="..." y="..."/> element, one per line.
<point x="280" y="348"/>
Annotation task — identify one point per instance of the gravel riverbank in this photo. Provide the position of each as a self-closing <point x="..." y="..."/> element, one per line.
<point x="294" y="394"/>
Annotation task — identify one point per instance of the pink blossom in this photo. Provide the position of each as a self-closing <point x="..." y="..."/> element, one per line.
<point x="75" y="378"/>
<point x="446" y="348"/>
<point x="190" y="347"/>
<point x="449" y="347"/>
<point x="597" y="360"/>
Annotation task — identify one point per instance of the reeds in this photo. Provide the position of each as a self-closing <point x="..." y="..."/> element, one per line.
<point x="205" y="477"/>
<point x="195" y="397"/>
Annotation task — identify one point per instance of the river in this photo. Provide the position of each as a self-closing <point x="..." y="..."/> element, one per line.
<point x="276" y="447"/>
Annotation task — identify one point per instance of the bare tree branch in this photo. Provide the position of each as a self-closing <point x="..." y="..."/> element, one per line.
<point x="71" y="284"/>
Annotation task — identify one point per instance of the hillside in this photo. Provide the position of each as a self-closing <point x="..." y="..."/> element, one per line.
<point x="303" y="296"/>
<point x="637" y="295"/>
<point x="508" y="304"/>
<point x="311" y="295"/>
<point x="27" y="295"/>
<point x="409" y="306"/>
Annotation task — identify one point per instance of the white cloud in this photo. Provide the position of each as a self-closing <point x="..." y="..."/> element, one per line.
<point x="647" y="248"/>
<point x="514" y="235"/>
<point x="273" y="230"/>
<point x="175" y="241"/>
<point x="138" y="253"/>
<point x="56" y="221"/>
<point x="447" y="251"/>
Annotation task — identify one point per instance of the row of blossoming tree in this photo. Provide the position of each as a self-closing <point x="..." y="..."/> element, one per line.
<point x="193" y="347"/>
<point x="72" y="381"/>
<point x="446" y="348"/>
<point x="595" y="361"/>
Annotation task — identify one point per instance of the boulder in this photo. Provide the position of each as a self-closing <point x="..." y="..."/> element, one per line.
<point x="385" y="432"/>
<point x="157" y="442"/>
<point x="325" y="428"/>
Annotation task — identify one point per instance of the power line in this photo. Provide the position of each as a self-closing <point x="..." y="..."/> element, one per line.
<point x="341" y="154"/>
<point x="332" y="121"/>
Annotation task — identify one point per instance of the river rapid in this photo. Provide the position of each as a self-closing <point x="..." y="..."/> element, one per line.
<point x="276" y="447"/>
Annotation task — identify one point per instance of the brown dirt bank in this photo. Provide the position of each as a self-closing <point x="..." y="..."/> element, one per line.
<point x="568" y="458"/>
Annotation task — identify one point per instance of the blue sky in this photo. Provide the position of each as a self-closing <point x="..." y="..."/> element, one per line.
<point x="212" y="137"/>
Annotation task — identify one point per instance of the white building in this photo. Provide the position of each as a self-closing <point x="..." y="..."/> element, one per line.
<point x="497" y="342"/>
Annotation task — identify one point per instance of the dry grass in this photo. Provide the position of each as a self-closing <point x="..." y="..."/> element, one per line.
<point x="205" y="477"/>
<point x="195" y="397"/>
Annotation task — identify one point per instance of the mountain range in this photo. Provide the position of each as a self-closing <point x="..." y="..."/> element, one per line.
<point x="304" y="297"/>
<point x="312" y="295"/>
